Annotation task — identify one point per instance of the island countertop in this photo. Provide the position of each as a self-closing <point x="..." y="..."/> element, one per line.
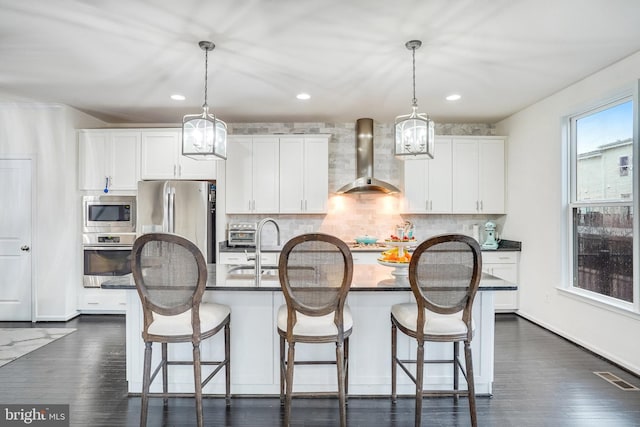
<point x="366" y="277"/>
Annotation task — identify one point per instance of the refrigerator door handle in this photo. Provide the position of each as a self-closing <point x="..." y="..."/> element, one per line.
<point x="172" y="210"/>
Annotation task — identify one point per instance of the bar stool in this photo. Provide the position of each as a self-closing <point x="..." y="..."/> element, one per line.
<point x="444" y="274"/>
<point x="170" y="275"/>
<point x="315" y="275"/>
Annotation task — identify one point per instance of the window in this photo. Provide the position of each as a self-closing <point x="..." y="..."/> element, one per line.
<point x="602" y="206"/>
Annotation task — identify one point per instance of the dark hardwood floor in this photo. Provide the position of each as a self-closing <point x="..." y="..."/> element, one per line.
<point x="540" y="380"/>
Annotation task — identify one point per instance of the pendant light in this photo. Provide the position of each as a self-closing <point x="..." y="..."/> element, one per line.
<point x="415" y="132"/>
<point x="203" y="135"/>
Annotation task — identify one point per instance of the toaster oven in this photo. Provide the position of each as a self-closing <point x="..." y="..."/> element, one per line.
<point x="242" y="234"/>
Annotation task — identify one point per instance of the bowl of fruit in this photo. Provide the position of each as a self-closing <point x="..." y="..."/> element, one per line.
<point x="397" y="257"/>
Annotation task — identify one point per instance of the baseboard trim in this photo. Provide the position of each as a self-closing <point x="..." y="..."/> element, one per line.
<point x="62" y="318"/>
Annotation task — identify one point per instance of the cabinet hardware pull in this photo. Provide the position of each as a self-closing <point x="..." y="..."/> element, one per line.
<point x="481" y="206"/>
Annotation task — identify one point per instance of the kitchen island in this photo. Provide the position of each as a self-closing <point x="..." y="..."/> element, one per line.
<point x="255" y="341"/>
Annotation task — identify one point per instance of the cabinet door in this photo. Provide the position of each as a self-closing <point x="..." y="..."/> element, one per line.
<point x="92" y="149"/>
<point x="266" y="175"/>
<point x="159" y="154"/>
<point x="239" y="175"/>
<point x="189" y="168"/>
<point x="316" y="174"/>
<point x="292" y="170"/>
<point x="439" y="177"/>
<point x="124" y="160"/>
<point x="465" y="176"/>
<point x="415" y="186"/>
<point x="491" y="176"/>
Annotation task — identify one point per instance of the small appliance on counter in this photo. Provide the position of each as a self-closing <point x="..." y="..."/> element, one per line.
<point x="242" y="234"/>
<point x="490" y="239"/>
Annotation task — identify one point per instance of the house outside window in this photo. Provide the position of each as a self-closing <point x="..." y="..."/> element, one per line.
<point x="602" y="208"/>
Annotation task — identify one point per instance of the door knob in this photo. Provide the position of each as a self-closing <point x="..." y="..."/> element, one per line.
<point x="24" y="248"/>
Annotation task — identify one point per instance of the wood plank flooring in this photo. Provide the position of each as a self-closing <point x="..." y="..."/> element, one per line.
<point x="540" y="380"/>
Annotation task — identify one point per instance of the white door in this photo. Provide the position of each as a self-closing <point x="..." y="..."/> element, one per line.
<point x="15" y="240"/>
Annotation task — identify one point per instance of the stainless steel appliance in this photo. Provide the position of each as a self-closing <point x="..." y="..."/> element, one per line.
<point x="186" y="208"/>
<point x="106" y="255"/>
<point x="242" y="234"/>
<point x="108" y="214"/>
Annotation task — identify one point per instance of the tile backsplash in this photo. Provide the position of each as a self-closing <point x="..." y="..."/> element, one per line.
<point x="365" y="213"/>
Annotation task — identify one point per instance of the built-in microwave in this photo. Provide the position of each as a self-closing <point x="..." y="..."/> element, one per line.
<point x="105" y="214"/>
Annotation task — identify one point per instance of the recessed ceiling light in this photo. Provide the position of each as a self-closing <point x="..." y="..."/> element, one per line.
<point x="453" y="97"/>
<point x="178" y="97"/>
<point x="303" y="96"/>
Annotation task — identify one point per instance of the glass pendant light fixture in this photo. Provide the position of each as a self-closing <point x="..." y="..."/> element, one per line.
<point x="415" y="132"/>
<point x="204" y="136"/>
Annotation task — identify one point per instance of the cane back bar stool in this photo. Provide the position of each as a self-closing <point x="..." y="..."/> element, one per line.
<point x="315" y="275"/>
<point x="170" y="275"/>
<point x="444" y="274"/>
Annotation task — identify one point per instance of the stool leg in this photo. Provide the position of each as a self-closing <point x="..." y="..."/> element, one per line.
<point x="289" y="381"/>
<point x="227" y="357"/>
<point x="394" y="366"/>
<point x="341" y="383"/>
<point x="346" y="370"/>
<point x="283" y="381"/>
<point x="165" y="369"/>
<point x="197" y="377"/>
<point x="456" y="379"/>
<point x="470" y="383"/>
<point x="146" y="382"/>
<point x="419" y="381"/>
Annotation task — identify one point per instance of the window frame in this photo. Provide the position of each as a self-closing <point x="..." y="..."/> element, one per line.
<point x="571" y="202"/>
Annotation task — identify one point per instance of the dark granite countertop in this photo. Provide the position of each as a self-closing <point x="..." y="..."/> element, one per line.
<point x="503" y="245"/>
<point x="366" y="277"/>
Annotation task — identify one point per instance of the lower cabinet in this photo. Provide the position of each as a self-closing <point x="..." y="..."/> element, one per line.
<point x="102" y="301"/>
<point x="505" y="266"/>
<point x="240" y="258"/>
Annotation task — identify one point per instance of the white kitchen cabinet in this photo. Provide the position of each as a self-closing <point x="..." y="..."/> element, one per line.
<point x="252" y="172"/>
<point x="428" y="183"/>
<point x="478" y="175"/>
<point x="505" y="266"/>
<point x="304" y="174"/>
<point x="240" y="258"/>
<point x="366" y="257"/>
<point x="102" y="301"/>
<point x="108" y="159"/>
<point x="162" y="158"/>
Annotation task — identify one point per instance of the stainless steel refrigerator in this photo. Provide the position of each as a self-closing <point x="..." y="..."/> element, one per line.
<point x="186" y="208"/>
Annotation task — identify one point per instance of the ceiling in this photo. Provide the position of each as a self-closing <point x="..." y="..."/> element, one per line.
<point x="120" y="60"/>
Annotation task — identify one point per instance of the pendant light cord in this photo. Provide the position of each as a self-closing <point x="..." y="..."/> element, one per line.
<point x="206" y="67"/>
<point x="415" y="101"/>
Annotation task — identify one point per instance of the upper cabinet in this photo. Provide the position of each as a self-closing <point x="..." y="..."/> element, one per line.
<point x="162" y="158"/>
<point x="427" y="183"/>
<point x="109" y="159"/>
<point x="277" y="174"/>
<point x="304" y="174"/>
<point x="252" y="174"/>
<point x="478" y="175"/>
<point x="466" y="176"/>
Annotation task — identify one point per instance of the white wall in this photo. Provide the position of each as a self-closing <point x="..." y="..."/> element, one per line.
<point x="535" y="216"/>
<point x="46" y="133"/>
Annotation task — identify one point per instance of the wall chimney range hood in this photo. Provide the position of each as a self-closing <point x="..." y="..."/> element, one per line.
<point x="365" y="182"/>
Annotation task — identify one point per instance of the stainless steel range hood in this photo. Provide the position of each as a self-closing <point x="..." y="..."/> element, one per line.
<point x="365" y="182"/>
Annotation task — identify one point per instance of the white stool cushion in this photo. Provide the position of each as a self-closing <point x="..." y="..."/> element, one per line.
<point x="435" y="324"/>
<point x="315" y="326"/>
<point x="211" y="316"/>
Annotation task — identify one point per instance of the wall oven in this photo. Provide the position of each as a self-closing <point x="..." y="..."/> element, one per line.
<point x="106" y="256"/>
<point x="108" y="214"/>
